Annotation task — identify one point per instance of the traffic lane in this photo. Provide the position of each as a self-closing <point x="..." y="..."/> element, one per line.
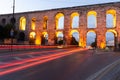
<point x="34" y="61"/>
<point x="10" y="57"/>
<point x="9" y="52"/>
<point x="37" y="52"/>
<point x="42" y="70"/>
<point x="73" y="67"/>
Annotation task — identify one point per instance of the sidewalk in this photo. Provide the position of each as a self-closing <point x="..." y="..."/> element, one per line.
<point x="110" y="72"/>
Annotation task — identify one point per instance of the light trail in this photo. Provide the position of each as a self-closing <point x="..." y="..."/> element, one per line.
<point x="38" y="61"/>
<point x="26" y="53"/>
<point x="18" y="62"/>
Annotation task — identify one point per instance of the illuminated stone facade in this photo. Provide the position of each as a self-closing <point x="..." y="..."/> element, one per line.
<point x="39" y="24"/>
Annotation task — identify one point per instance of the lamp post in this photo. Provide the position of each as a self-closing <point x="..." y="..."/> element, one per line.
<point x="13" y="8"/>
<point x="13" y="24"/>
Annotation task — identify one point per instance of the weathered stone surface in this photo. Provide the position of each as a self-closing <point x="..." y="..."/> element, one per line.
<point x="100" y="30"/>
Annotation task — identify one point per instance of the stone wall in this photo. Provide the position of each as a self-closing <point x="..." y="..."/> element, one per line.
<point x="100" y="29"/>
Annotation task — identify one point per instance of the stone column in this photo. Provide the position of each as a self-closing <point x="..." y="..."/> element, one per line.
<point x="51" y="30"/>
<point x="83" y="40"/>
<point x="28" y="25"/>
<point x="38" y="33"/>
<point x="67" y="26"/>
<point x="117" y="39"/>
<point x="101" y="28"/>
<point x="101" y="40"/>
<point x="83" y="29"/>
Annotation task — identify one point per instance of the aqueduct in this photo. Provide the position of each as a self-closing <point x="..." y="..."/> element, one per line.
<point x="47" y="27"/>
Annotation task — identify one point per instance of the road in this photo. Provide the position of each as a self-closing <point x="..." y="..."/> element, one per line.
<point x="54" y="64"/>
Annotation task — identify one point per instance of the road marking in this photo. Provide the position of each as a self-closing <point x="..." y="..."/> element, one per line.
<point x="17" y="58"/>
<point x="31" y="56"/>
<point x="4" y="63"/>
<point x="98" y="75"/>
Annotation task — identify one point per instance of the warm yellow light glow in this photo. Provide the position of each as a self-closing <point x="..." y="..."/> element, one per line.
<point x="32" y="35"/>
<point x="102" y="45"/>
<point x="57" y="33"/>
<point x="22" y="23"/>
<point x="91" y="31"/>
<point x="113" y="31"/>
<point x="91" y="19"/>
<point x="33" y="23"/>
<point x="82" y="42"/>
<point x="44" y="34"/>
<point x="58" y="16"/>
<point x="113" y="13"/>
<point x="92" y="13"/>
<point x="73" y="31"/>
<point x="45" y="22"/>
<point x="38" y="40"/>
<point x="73" y="15"/>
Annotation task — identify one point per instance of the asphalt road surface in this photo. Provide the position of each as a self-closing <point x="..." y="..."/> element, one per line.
<point x="70" y="64"/>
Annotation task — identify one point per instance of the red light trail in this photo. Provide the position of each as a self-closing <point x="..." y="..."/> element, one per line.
<point x="20" y="65"/>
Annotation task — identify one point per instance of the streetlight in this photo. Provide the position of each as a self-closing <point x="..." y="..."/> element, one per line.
<point x="13" y="24"/>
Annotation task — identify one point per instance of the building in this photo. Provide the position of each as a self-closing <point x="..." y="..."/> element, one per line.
<point x="44" y="27"/>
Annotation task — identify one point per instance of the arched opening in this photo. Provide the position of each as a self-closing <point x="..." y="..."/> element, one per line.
<point x="44" y="38"/>
<point x="111" y="36"/>
<point x="110" y="18"/>
<point x="59" y="38"/>
<point x="59" y="21"/>
<point x="75" y="20"/>
<point x="45" y="22"/>
<point x="75" y="37"/>
<point x="3" y="21"/>
<point x="22" y="24"/>
<point x="21" y="36"/>
<point x="33" y="23"/>
<point x="91" y="39"/>
<point x="32" y="37"/>
<point x="91" y="19"/>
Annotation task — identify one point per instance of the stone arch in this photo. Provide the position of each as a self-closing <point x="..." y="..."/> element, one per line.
<point x="3" y="21"/>
<point x="111" y="18"/>
<point x="74" y="37"/>
<point x="59" y="19"/>
<point x="22" y="25"/>
<point x="33" y="23"/>
<point x="45" y="22"/>
<point x="59" y="37"/>
<point x="44" y="38"/>
<point x="75" y="20"/>
<point x="91" y="38"/>
<point x="111" y="36"/>
<point x="32" y="37"/>
<point x="92" y="19"/>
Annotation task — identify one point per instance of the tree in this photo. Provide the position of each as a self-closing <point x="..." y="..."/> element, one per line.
<point x="94" y="44"/>
<point x="73" y="41"/>
<point x="1" y="32"/>
<point x="7" y="30"/>
<point x="43" y="40"/>
<point x="60" y="42"/>
<point x="21" y="36"/>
